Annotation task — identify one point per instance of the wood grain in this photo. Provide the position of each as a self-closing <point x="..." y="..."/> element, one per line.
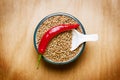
<point x="99" y="61"/>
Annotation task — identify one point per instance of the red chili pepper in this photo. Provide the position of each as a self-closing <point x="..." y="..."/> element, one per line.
<point x="52" y="33"/>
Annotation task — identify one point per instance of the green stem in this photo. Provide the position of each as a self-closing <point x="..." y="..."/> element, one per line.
<point x="39" y="58"/>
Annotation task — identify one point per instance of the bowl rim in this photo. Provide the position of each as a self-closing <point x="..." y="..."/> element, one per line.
<point x="58" y="14"/>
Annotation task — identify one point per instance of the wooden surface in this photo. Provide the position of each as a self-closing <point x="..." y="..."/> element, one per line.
<point x="99" y="61"/>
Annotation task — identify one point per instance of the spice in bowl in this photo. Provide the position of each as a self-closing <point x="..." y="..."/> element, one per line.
<point x="58" y="48"/>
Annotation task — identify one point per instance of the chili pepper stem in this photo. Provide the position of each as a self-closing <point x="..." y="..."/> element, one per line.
<point x="39" y="58"/>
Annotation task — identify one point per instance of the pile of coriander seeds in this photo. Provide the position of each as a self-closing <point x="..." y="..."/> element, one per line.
<point x="58" y="49"/>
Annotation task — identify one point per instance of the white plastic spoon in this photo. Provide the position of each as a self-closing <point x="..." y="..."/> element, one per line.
<point x="78" y="38"/>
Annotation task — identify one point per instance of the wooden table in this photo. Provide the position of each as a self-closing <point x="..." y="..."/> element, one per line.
<point x="99" y="61"/>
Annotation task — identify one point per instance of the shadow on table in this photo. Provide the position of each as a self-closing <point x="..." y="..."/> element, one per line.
<point x="60" y="67"/>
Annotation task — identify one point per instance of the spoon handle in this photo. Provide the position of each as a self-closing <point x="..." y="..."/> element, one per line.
<point x="91" y="37"/>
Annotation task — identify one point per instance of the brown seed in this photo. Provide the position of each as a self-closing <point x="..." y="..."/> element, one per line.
<point x="58" y="49"/>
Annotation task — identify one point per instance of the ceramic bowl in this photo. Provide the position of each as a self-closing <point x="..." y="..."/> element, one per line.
<point x="82" y="45"/>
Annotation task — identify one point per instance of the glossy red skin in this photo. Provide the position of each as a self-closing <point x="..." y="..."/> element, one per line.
<point x="52" y="33"/>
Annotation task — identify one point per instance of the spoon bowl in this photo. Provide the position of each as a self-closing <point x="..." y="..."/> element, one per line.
<point x="78" y="38"/>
